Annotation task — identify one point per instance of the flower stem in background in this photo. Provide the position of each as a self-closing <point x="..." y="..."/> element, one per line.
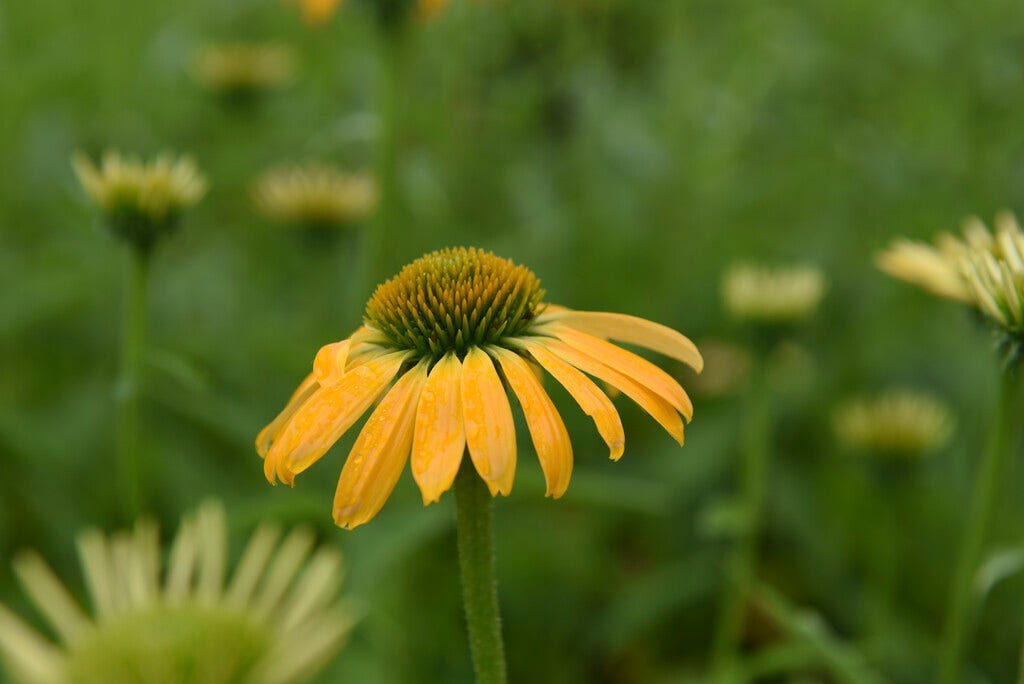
<point x="958" y="615"/>
<point x="378" y="262"/>
<point x="742" y="565"/>
<point x="129" y="381"/>
<point x="479" y="581"/>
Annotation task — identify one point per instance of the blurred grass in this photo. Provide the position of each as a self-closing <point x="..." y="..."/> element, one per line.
<point x="627" y="152"/>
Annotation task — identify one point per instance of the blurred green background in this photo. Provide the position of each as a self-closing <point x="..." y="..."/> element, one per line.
<point x="628" y="152"/>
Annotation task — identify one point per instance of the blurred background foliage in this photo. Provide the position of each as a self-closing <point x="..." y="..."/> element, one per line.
<point x="627" y="152"/>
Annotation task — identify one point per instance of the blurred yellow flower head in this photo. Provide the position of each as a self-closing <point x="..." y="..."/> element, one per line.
<point x="437" y="340"/>
<point x="899" y="423"/>
<point x="315" y="195"/>
<point x="772" y="295"/>
<point x="243" y="69"/>
<point x="319" y="12"/>
<point x="141" y="200"/>
<point x="269" y="624"/>
<point x="939" y="268"/>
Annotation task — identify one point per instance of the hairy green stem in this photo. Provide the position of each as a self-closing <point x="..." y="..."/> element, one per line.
<point x="958" y="615"/>
<point x="129" y="382"/>
<point x="479" y="580"/>
<point x="742" y="565"/>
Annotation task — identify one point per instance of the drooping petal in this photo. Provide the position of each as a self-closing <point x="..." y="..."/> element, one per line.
<point x="487" y="415"/>
<point x="631" y="330"/>
<point x="380" y="452"/>
<point x="589" y="396"/>
<point x="329" y="364"/>
<point x="550" y="438"/>
<point x="439" y="439"/>
<point x="629" y="364"/>
<point x="272" y="431"/>
<point x="327" y="414"/>
<point x="654" y="405"/>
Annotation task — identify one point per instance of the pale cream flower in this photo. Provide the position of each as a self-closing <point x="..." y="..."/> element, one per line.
<point x="277" y="621"/>
<point x="939" y="267"/>
<point x="244" y="68"/>
<point x="899" y="422"/>
<point x="315" y="195"/>
<point x="772" y="295"/>
<point x="141" y="200"/>
<point x="997" y="282"/>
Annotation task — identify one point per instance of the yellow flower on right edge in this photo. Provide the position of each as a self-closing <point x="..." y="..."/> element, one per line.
<point x="442" y="344"/>
<point x="942" y="268"/>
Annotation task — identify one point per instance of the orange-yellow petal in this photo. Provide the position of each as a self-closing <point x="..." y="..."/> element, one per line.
<point x="380" y="452"/>
<point x="550" y="438"/>
<point x="326" y="415"/>
<point x="631" y="330"/>
<point x="268" y="435"/>
<point x="589" y="396"/>
<point x="654" y="405"/>
<point x="629" y="364"/>
<point x="487" y="415"/>
<point x="440" y="436"/>
<point x="330" y="361"/>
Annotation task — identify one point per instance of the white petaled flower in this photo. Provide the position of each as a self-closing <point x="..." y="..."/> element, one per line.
<point x="277" y="621"/>
<point x="772" y="295"/>
<point x="900" y="422"/>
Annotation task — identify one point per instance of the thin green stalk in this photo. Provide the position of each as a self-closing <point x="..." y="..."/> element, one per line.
<point x="742" y="565"/>
<point x="130" y="380"/>
<point x="479" y="580"/>
<point x="376" y="264"/>
<point x="958" y="615"/>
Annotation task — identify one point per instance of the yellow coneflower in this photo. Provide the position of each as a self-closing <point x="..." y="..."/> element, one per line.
<point x="436" y="343"/>
<point x="772" y="295"/>
<point x="141" y="200"/>
<point x="277" y="621"/>
<point x="243" y="69"/>
<point x="315" y="196"/>
<point x="939" y="268"/>
<point x="899" y="422"/>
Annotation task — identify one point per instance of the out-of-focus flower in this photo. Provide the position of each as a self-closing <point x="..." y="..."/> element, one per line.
<point x="270" y="624"/>
<point x="242" y="70"/>
<point x="899" y="423"/>
<point x="315" y="196"/>
<point x="772" y="295"/>
<point x="939" y="267"/>
<point x="319" y="12"/>
<point x="448" y="327"/>
<point x="727" y="369"/>
<point x="141" y="201"/>
<point x="996" y="280"/>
